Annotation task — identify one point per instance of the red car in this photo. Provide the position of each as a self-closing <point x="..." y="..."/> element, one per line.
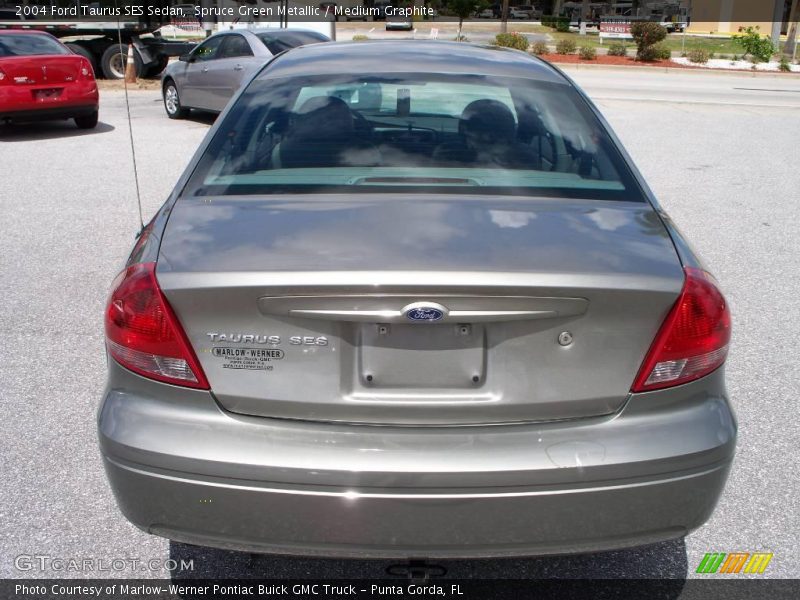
<point x="42" y="79"/>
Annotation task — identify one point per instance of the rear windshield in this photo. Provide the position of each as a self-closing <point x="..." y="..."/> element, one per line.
<point x="29" y="45"/>
<point x="467" y="134"/>
<point x="278" y="42"/>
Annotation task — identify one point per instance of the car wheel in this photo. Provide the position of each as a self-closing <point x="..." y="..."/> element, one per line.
<point x="112" y="63"/>
<point x="87" y="121"/>
<point x="172" y="102"/>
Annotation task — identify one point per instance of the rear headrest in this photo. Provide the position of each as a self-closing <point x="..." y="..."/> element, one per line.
<point x="322" y="117"/>
<point x="488" y="116"/>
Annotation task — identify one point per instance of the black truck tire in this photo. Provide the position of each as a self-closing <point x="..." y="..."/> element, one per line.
<point x="112" y="63"/>
<point x="84" y="52"/>
<point x="154" y="69"/>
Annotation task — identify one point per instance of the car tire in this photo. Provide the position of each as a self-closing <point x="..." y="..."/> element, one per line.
<point x="172" y="101"/>
<point x="87" y="121"/>
<point x="112" y="63"/>
<point x="81" y="51"/>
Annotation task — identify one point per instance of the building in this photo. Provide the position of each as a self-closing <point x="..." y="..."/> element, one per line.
<point x="705" y="16"/>
<point x="727" y="16"/>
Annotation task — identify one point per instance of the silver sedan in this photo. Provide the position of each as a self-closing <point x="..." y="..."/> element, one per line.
<point x="207" y="77"/>
<point x="418" y="307"/>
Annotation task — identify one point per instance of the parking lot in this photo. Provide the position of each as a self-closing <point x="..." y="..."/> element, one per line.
<point x="721" y="153"/>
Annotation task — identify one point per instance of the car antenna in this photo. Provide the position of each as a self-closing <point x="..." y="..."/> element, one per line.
<point x="130" y="130"/>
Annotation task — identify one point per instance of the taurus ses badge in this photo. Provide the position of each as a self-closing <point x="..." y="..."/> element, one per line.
<point x="425" y="312"/>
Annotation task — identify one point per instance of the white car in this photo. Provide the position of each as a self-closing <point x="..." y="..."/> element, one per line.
<point x="516" y="13"/>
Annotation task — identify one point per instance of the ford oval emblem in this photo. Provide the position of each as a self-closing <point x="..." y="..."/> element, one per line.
<point x="425" y="312"/>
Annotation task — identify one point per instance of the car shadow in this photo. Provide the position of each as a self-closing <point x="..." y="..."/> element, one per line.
<point x="47" y="130"/>
<point x="664" y="564"/>
<point x="201" y="116"/>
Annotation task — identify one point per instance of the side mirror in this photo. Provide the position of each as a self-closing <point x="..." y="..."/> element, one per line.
<point x="187" y="58"/>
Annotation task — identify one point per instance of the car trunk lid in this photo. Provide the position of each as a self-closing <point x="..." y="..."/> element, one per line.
<point x="47" y="71"/>
<point x="426" y="311"/>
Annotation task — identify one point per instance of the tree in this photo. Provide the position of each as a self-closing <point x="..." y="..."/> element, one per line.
<point x="584" y="16"/>
<point x="791" y="39"/>
<point x="646" y="34"/>
<point x="464" y="9"/>
<point x="504" y="17"/>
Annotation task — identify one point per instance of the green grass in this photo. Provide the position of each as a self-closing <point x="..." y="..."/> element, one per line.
<point x="674" y="42"/>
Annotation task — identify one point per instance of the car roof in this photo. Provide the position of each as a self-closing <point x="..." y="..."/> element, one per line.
<point x="27" y="31"/>
<point x="415" y="56"/>
<point x="15" y="31"/>
<point x="263" y="30"/>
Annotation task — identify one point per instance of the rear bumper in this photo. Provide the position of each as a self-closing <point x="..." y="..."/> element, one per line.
<point x="348" y="523"/>
<point x="182" y="468"/>
<point x="76" y="99"/>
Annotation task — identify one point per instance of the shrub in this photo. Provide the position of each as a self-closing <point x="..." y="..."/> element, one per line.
<point x="753" y="44"/>
<point x="557" y="23"/>
<point x="587" y="53"/>
<point x="618" y="49"/>
<point x="566" y="47"/>
<point x="360" y="38"/>
<point x="785" y="65"/>
<point x="540" y="48"/>
<point x="512" y="40"/>
<point x="648" y="54"/>
<point x="662" y="51"/>
<point x="699" y="55"/>
<point x="646" y="34"/>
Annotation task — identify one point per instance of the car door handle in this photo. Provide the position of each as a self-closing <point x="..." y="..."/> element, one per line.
<point x="238" y="68"/>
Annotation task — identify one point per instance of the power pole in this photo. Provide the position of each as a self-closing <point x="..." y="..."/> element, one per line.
<point x="584" y="16"/>
<point x="504" y="17"/>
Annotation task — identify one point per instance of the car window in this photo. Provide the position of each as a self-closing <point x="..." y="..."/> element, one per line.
<point x="30" y="45"/>
<point x="235" y="46"/>
<point x="277" y="41"/>
<point x="209" y="49"/>
<point x="450" y="101"/>
<point x="418" y="133"/>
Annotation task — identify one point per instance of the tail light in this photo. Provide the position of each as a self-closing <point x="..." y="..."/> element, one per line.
<point x="87" y="72"/>
<point x="692" y="341"/>
<point x="144" y="335"/>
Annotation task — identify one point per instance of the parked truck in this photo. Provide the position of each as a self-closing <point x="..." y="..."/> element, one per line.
<point x="105" y="44"/>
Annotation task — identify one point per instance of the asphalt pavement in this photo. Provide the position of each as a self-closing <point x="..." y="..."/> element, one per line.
<point x="720" y="152"/>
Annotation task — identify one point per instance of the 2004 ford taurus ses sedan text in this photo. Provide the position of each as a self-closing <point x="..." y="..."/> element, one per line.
<point x="428" y="312"/>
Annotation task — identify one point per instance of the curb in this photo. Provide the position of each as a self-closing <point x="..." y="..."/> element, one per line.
<point x="677" y="70"/>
